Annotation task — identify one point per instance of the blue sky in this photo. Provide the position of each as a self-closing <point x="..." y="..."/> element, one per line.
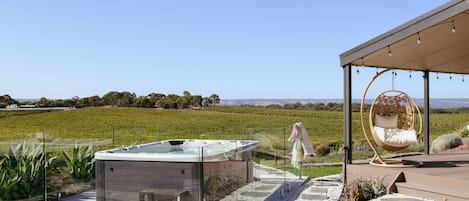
<point x="236" y="49"/>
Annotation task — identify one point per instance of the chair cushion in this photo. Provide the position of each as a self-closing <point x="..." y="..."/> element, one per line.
<point x="395" y="136"/>
<point x="386" y="121"/>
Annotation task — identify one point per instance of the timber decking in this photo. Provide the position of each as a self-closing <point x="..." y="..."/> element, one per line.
<point x="443" y="176"/>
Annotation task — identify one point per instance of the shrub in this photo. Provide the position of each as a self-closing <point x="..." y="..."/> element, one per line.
<point x="81" y="164"/>
<point x="361" y="146"/>
<point x="445" y="142"/>
<point x="464" y="132"/>
<point x="323" y="149"/>
<point x="361" y="189"/>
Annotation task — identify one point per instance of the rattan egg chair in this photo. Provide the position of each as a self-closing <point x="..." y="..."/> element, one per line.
<point x="392" y="120"/>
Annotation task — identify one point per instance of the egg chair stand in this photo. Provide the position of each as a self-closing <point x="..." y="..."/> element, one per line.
<point x="391" y="122"/>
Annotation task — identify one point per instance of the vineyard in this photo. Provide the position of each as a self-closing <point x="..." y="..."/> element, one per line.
<point x="139" y="125"/>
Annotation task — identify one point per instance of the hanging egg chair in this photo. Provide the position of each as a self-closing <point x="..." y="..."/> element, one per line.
<point x="392" y="118"/>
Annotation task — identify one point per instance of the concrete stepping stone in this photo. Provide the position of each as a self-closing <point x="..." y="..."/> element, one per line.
<point x="314" y="197"/>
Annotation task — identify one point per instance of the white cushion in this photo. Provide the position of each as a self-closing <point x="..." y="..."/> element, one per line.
<point x="386" y="121"/>
<point x="395" y="136"/>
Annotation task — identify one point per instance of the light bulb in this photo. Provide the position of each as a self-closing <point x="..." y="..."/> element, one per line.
<point x="453" y="29"/>
<point x="389" y="51"/>
<point x="418" y="38"/>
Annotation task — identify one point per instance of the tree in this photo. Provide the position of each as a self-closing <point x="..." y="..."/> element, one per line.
<point x="43" y="102"/>
<point x="111" y="98"/>
<point x="83" y="102"/>
<point x="7" y="100"/>
<point x="214" y="99"/>
<point x="142" y="101"/>
<point x="119" y="99"/>
<point x="95" y="101"/>
<point x="156" y="99"/>
<point x="183" y="102"/>
<point x="126" y="99"/>
<point x="170" y="101"/>
<point x="196" y="101"/>
<point x="205" y="102"/>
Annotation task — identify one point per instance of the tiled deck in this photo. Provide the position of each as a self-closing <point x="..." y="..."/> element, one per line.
<point x="443" y="176"/>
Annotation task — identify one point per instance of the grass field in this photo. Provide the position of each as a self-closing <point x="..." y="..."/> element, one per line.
<point x="139" y="125"/>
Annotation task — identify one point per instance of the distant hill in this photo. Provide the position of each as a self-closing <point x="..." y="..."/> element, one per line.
<point x="434" y="103"/>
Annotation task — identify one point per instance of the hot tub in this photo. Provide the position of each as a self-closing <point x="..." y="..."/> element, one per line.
<point x="174" y="170"/>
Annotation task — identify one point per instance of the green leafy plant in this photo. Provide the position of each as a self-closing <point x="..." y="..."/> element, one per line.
<point x="7" y="184"/>
<point x="81" y="163"/>
<point x="23" y="174"/>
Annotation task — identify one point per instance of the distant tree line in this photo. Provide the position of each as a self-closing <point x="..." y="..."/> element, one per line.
<point x="331" y="106"/>
<point x="339" y="107"/>
<point x="124" y="99"/>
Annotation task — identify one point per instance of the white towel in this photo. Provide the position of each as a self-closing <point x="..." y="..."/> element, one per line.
<point x="301" y="143"/>
<point x="308" y="149"/>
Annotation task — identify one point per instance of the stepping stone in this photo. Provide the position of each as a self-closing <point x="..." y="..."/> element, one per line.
<point x="265" y="187"/>
<point x="318" y="190"/>
<point x="273" y="182"/>
<point x="255" y="194"/>
<point x="314" y="197"/>
<point x="320" y="183"/>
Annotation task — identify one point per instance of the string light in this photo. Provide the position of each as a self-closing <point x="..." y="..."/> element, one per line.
<point x="450" y="76"/>
<point x="410" y="74"/>
<point x="389" y="51"/>
<point x="418" y="38"/>
<point x="437" y="76"/>
<point x="358" y="70"/>
<point x="453" y="28"/>
<point x="462" y="78"/>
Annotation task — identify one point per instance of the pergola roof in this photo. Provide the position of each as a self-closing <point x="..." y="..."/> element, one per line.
<point x="440" y="49"/>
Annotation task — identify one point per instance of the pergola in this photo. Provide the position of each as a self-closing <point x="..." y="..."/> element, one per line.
<point x="437" y="41"/>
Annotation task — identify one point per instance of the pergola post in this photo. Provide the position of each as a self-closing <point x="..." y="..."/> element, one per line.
<point x="426" y="113"/>
<point x="348" y="113"/>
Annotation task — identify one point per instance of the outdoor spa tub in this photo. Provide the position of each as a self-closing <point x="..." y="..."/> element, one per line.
<point x="174" y="170"/>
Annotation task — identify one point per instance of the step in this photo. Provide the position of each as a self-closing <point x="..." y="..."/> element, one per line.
<point x="434" y="187"/>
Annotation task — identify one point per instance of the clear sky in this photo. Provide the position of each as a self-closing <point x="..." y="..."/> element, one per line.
<point x="236" y="49"/>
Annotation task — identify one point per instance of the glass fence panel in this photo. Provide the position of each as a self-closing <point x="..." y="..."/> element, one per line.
<point x="272" y="161"/>
<point x="252" y="167"/>
<point x="243" y="164"/>
<point x="227" y="166"/>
